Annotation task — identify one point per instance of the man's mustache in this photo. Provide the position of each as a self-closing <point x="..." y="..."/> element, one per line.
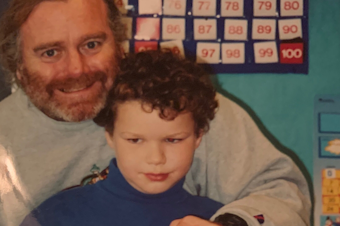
<point x="83" y="81"/>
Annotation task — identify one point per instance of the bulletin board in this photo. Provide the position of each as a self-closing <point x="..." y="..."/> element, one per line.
<point x="327" y="160"/>
<point x="227" y="36"/>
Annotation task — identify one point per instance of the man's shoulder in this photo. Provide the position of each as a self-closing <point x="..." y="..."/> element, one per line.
<point x="230" y="113"/>
<point x="10" y="105"/>
<point x="14" y="114"/>
<point x="9" y="111"/>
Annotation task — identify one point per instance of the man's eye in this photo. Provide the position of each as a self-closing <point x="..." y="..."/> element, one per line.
<point x="172" y="140"/>
<point x="50" y="53"/>
<point x="92" y="45"/>
<point x="135" y="140"/>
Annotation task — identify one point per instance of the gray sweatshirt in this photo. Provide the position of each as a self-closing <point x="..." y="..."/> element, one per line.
<point x="235" y="164"/>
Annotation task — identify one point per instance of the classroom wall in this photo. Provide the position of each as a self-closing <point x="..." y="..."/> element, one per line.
<point x="283" y="103"/>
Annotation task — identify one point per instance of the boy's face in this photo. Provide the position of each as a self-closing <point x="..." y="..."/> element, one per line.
<point x="152" y="154"/>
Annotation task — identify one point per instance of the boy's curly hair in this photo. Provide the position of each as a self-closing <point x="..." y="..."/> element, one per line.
<point x="164" y="82"/>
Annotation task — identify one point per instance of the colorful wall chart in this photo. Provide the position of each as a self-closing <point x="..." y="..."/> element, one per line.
<point x="228" y="36"/>
<point x="327" y="160"/>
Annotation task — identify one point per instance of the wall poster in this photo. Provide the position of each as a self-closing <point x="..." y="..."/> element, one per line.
<point x="228" y="36"/>
<point x="327" y="160"/>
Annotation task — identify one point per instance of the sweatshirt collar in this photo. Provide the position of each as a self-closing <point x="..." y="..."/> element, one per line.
<point x="116" y="184"/>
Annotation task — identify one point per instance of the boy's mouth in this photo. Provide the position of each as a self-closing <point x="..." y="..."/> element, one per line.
<point x="157" y="177"/>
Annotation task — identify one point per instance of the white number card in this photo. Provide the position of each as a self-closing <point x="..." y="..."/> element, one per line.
<point x="173" y="28"/>
<point x="204" y="7"/>
<point x="265" y="52"/>
<point x="235" y="29"/>
<point x="174" y="7"/>
<point x="232" y="8"/>
<point x="330" y="173"/>
<point x="147" y="28"/>
<point x="264" y="29"/>
<point x="233" y="53"/>
<point x="149" y="7"/>
<point x="289" y="29"/>
<point x="291" y="7"/>
<point x="205" y="29"/>
<point x="208" y="53"/>
<point x="264" y="7"/>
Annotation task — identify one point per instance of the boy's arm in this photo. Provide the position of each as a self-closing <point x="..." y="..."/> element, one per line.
<point x="238" y="166"/>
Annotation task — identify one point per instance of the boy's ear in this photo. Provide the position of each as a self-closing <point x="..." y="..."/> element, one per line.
<point x="199" y="139"/>
<point x="109" y="140"/>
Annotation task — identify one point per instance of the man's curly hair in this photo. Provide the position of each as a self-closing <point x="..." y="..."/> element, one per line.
<point x="165" y="82"/>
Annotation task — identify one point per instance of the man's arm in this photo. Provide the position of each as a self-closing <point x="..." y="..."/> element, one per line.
<point x="238" y="166"/>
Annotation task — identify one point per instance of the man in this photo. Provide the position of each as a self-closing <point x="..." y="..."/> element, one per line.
<point x="63" y="54"/>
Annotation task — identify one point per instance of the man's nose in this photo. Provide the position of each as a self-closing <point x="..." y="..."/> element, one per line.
<point x="76" y="63"/>
<point x="156" y="154"/>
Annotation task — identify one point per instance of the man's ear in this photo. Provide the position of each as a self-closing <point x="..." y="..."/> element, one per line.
<point x="19" y="73"/>
<point x="109" y="140"/>
<point x="199" y="139"/>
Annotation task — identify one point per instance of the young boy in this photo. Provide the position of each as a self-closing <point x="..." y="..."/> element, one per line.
<point x="156" y="114"/>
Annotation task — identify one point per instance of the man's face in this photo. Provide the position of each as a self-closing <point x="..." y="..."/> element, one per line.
<point x="153" y="154"/>
<point x="68" y="53"/>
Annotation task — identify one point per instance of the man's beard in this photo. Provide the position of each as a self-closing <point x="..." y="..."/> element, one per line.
<point x="59" y="107"/>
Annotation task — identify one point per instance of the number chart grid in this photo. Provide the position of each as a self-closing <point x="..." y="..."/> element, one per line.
<point x="331" y="191"/>
<point x="236" y="36"/>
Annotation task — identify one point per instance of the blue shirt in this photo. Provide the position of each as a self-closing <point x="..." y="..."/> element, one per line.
<point x="115" y="202"/>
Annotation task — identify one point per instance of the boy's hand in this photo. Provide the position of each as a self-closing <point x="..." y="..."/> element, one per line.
<point x="192" y="221"/>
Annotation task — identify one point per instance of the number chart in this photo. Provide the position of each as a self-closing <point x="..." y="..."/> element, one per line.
<point x="327" y="160"/>
<point x="227" y="36"/>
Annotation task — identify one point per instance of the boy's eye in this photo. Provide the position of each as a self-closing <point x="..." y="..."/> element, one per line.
<point x="173" y="140"/>
<point x="135" y="140"/>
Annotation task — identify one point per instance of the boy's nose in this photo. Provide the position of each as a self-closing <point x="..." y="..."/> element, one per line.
<point x="155" y="155"/>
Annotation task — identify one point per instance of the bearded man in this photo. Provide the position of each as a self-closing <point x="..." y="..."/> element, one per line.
<point x="63" y="55"/>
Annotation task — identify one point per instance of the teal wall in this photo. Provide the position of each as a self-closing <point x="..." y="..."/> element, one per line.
<point x="282" y="104"/>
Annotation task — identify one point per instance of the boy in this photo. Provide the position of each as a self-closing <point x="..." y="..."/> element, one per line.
<point x="156" y="114"/>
